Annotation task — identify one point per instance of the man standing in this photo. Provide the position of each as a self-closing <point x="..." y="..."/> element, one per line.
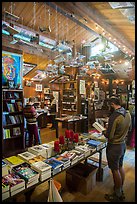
<point x="31" y="119"/>
<point x="118" y="125"/>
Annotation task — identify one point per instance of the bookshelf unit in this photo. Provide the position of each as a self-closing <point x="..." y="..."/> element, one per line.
<point x="69" y="98"/>
<point x="12" y="122"/>
<point x="47" y="97"/>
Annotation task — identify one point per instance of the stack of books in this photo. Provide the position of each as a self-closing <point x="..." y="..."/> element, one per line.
<point x="71" y="155"/>
<point x="25" y="171"/>
<point x="15" y="182"/>
<point x="55" y="164"/>
<point x="97" y="144"/>
<point x="26" y="156"/>
<point x="38" y="150"/>
<point x="35" y="159"/>
<point x="5" y="190"/>
<point x="49" y="148"/>
<point x="84" y="149"/>
<point x="4" y="168"/>
<point x="79" y="154"/>
<point x="65" y="161"/>
<point x="13" y="161"/>
<point x="43" y="169"/>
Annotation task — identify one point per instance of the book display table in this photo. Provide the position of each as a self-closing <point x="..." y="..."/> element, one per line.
<point x="93" y="149"/>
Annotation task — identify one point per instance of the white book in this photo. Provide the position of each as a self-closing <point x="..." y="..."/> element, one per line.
<point x="17" y="190"/>
<point x="41" y="166"/>
<point x="33" y="182"/>
<point x="38" y="150"/>
<point x="45" y="176"/>
<point x="26" y="155"/>
<point x="98" y="127"/>
<point x="5" y="195"/>
<point x="49" y="148"/>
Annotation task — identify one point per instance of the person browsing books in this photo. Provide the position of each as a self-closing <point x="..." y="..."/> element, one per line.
<point x="118" y="126"/>
<point x="31" y="118"/>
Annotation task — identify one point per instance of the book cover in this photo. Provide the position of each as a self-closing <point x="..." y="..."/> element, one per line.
<point x="26" y="155"/>
<point x="25" y="171"/>
<point x="16" y="131"/>
<point x="5" y="170"/>
<point x="93" y="142"/>
<point x="19" y="105"/>
<point x="12" y="118"/>
<point x="41" y="166"/>
<point x="38" y="150"/>
<point x="69" y="155"/>
<point x="14" y="181"/>
<point x="15" y="160"/>
<point x="36" y="159"/>
<point x="53" y="163"/>
<point x="98" y="127"/>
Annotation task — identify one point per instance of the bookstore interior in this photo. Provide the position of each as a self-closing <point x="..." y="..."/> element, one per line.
<point x="70" y="58"/>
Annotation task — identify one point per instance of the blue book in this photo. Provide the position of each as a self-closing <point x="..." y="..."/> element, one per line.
<point x="53" y="163"/>
<point x="94" y="142"/>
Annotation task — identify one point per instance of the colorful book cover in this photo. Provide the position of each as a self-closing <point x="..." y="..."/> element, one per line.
<point x="36" y="159"/>
<point x="25" y="171"/>
<point x="53" y="163"/>
<point x="14" y="160"/>
<point x="14" y="181"/>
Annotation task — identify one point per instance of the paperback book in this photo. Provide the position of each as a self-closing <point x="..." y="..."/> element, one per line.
<point x="38" y="150"/>
<point x="98" y="127"/>
<point x="26" y="156"/>
<point x="25" y="171"/>
<point x="36" y="159"/>
<point x="15" y="182"/>
<point x="53" y="163"/>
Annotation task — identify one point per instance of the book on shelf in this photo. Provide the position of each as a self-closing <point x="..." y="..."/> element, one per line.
<point x="11" y="107"/>
<point x="15" y="182"/>
<point x="98" y="127"/>
<point x="26" y="156"/>
<point x="25" y="171"/>
<point x="19" y="106"/>
<point x="16" y="131"/>
<point x="21" y="118"/>
<point x="53" y="163"/>
<point x="6" y="133"/>
<point x="4" y="118"/>
<point x="38" y="150"/>
<point x="16" y="95"/>
<point x="12" y="118"/>
<point x="17" y="119"/>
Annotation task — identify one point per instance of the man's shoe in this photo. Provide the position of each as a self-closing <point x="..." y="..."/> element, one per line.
<point x="113" y="198"/>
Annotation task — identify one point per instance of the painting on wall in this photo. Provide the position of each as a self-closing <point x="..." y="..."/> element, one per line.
<point x="11" y="69"/>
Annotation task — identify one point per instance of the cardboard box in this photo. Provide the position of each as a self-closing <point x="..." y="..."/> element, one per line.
<point x="81" y="177"/>
<point x="104" y="168"/>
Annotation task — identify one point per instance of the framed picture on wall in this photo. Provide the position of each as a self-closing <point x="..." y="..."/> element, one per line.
<point x="38" y="87"/>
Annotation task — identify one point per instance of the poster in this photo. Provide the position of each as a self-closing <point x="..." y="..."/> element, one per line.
<point x="82" y="87"/>
<point x="11" y="69"/>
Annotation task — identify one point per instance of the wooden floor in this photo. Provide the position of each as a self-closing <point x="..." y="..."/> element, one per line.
<point x="40" y="193"/>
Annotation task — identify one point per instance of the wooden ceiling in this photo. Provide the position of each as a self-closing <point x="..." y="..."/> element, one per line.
<point x="74" y="22"/>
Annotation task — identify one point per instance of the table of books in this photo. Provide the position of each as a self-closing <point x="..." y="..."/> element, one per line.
<point x="23" y="172"/>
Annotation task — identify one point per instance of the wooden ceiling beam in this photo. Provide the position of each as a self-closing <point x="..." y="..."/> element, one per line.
<point x="85" y="10"/>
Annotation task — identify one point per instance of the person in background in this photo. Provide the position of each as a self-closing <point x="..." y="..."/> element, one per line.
<point x="118" y="126"/>
<point x="31" y="118"/>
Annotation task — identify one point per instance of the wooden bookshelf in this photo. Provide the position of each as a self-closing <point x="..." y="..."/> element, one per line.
<point x="12" y="122"/>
